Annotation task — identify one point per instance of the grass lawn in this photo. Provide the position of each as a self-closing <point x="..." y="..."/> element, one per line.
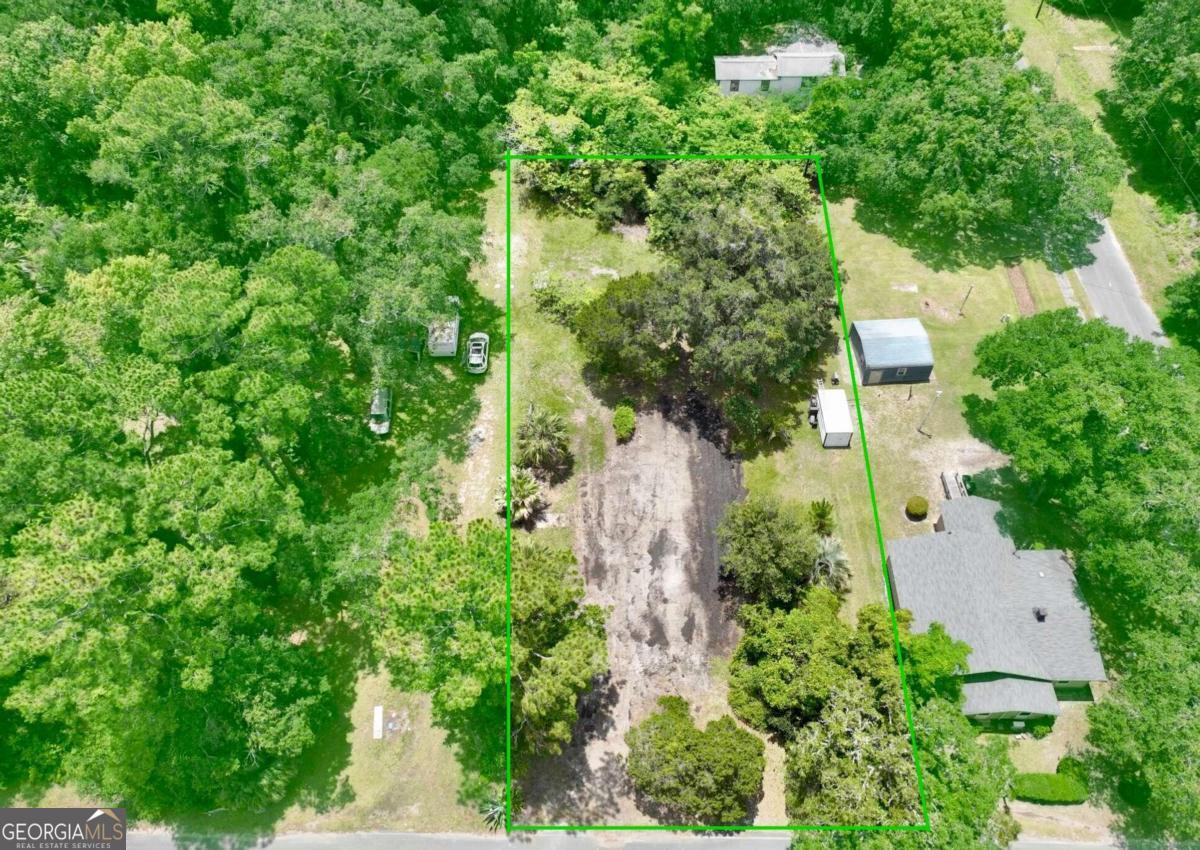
<point x="884" y="280"/>
<point x="1043" y="286"/>
<point x="407" y="781"/>
<point x="1078" y="53"/>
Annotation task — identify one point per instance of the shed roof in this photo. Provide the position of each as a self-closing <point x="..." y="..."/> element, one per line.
<point x="811" y="57"/>
<point x="745" y="68"/>
<point x="973" y="580"/>
<point x="887" y="343"/>
<point x="1008" y="694"/>
<point x="835" y="411"/>
<point x="816" y="63"/>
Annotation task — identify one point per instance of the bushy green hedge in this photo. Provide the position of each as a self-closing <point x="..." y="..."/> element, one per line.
<point x="917" y="507"/>
<point x="624" y="422"/>
<point x="1059" y="789"/>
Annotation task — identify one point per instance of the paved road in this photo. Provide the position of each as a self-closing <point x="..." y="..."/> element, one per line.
<point x="527" y="841"/>
<point x="1113" y="290"/>
<point x="444" y="841"/>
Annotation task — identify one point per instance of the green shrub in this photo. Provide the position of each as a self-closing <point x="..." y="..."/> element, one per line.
<point x="1071" y="766"/>
<point x="543" y="442"/>
<point x="712" y="775"/>
<point x="1040" y="728"/>
<point x="624" y="422"/>
<point x="771" y="551"/>
<point x="917" y="507"/>
<point x="559" y="299"/>
<point x="1054" y="789"/>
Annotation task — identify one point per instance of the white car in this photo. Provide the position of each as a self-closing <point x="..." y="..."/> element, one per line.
<point x="379" y="420"/>
<point x="477" y="353"/>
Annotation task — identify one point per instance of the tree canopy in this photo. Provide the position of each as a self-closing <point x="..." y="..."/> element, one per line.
<point x="1102" y="433"/>
<point x="979" y="162"/>
<point x="444" y="630"/>
<point x="1156" y="97"/>
<point x="216" y="221"/>
<point x="711" y="775"/>
<point x="769" y="550"/>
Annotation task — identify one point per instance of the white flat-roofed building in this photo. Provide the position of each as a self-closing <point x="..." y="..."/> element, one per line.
<point x="833" y="417"/>
<point x="781" y="69"/>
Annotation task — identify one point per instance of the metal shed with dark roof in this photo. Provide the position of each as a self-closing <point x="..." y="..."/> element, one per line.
<point x="892" y="351"/>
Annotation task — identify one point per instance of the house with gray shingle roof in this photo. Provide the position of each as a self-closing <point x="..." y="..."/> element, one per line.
<point x="1019" y="610"/>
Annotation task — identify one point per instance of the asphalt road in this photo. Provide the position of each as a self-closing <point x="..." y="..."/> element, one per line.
<point x="1113" y="290"/>
<point x="526" y="841"/>
<point x="448" y="841"/>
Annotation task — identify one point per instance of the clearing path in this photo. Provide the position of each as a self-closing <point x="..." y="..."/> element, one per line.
<point x="646" y="539"/>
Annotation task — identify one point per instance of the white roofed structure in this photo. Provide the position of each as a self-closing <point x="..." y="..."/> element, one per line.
<point x="833" y="417"/>
<point x="781" y="69"/>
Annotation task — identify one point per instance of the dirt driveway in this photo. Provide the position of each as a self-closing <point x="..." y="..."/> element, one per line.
<point x="645" y="537"/>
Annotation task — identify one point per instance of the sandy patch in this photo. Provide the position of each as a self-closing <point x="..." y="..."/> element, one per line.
<point x="645" y="535"/>
<point x="633" y="232"/>
<point x="494" y="249"/>
<point x="1086" y="823"/>
<point x="966" y="455"/>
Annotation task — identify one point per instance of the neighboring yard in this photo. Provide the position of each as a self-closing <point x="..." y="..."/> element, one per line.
<point x="1078" y="53"/>
<point x="408" y="781"/>
<point x="1030" y="755"/>
<point x="883" y="280"/>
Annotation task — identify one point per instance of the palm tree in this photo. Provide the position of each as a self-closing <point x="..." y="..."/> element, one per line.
<point x="527" y="498"/>
<point x="830" y="565"/>
<point x="542" y="440"/>
<point x="493" y="813"/>
<point x="821" y="514"/>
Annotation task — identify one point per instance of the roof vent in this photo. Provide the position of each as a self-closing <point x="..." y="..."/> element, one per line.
<point x="1039" y="614"/>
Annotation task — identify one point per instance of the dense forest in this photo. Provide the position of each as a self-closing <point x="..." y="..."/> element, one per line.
<point x="222" y="220"/>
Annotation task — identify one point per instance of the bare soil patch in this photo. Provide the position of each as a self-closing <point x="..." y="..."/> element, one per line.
<point x="645" y="534"/>
<point x="1020" y="288"/>
<point x="1086" y="823"/>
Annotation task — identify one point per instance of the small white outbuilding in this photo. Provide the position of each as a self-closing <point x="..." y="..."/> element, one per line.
<point x="833" y="419"/>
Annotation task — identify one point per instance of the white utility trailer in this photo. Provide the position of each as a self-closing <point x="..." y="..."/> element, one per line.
<point x="833" y="419"/>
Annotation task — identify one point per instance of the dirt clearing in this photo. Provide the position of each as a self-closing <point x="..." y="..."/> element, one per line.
<point x="645" y="534"/>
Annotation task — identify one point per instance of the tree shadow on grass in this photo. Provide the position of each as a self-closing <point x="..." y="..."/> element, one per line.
<point x="1060" y="248"/>
<point x="436" y="398"/>
<point x="319" y="783"/>
<point x="1118" y="14"/>
<point x="1150" y="171"/>
<point x="743" y="421"/>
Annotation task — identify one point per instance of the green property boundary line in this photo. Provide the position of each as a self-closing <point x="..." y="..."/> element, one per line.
<point x="509" y="159"/>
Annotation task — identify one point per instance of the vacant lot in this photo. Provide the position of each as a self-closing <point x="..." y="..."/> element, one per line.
<point x="645" y="535"/>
